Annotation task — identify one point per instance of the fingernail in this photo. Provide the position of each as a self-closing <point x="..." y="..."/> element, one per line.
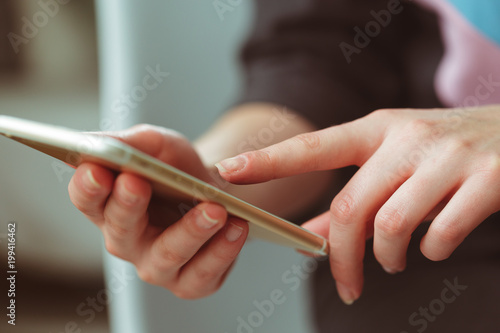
<point x="231" y="164"/>
<point x="233" y="232"/>
<point x="90" y="182"/>
<point x="206" y="222"/>
<point x="127" y="195"/>
<point x="346" y="295"/>
<point x="393" y="270"/>
<point x="389" y="270"/>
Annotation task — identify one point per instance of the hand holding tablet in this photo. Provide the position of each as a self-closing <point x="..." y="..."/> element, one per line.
<point x="75" y="148"/>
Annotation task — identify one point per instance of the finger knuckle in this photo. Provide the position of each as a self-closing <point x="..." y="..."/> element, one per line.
<point x="489" y="167"/>
<point x="85" y="207"/>
<point x="205" y="274"/>
<point x="166" y="257"/>
<point x="162" y="139"/>
<point x="456" y="146"/>
<point x="310" y="141"/>
<point x="343" y="209"/>
<point x="418" y="130"/>
<point x="391" y="222"/>
<point x="116" y="230"/>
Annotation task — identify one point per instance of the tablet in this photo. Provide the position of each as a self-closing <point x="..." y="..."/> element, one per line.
<point x="75" y="147"/>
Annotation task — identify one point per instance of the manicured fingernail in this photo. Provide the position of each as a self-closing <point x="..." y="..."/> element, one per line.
<point x="205" y="221"/>
<point x="127" y="195"/>
<point x="346" y="295"/>
<point x="233" y="232"/>
<point x="231" y="164"/>
<point x="90" y="182"/>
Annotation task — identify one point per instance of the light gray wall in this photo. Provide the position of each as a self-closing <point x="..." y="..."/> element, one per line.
<point x="186" y="39"/>
<point x="197" y="47"/>
<point x="57" y="85"/>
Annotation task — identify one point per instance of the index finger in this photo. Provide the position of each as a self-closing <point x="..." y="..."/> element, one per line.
<point x="334" y="147"/>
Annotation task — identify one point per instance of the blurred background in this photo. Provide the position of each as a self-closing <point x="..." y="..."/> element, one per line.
<point x="70" y="63"/>
<point x="48" y="72"/>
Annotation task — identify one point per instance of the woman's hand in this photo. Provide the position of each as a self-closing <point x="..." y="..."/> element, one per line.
<point x="189" y="254"/>
<point x="415" y="165"/>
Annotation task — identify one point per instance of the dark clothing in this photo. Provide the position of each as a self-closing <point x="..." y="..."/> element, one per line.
<point x="293" y="58"/>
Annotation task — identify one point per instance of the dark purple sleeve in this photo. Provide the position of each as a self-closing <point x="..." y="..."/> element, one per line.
<point x="294" y="58"/>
